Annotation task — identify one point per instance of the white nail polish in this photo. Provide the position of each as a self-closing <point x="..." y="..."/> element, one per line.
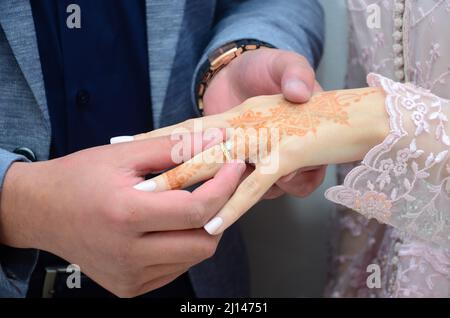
<point x="212" y="226"/>
<point x="116" y="140"/>
<point x="147" y="185"/>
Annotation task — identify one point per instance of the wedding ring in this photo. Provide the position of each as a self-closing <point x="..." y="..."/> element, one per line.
<point x="226" y="147"/>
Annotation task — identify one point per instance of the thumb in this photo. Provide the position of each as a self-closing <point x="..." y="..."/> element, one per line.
<point x="296" y="76"/>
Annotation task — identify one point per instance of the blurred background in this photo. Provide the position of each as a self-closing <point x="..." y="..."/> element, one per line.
<point x="288" y="238"/>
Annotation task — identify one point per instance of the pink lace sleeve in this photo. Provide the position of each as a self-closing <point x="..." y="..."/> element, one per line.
<point x="405" y="181"/>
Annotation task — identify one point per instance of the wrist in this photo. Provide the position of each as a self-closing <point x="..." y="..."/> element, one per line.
<point x="216" y="63"/>
<point x="18" y="209"/>
<point x="375" y="122"/>
<point x="368" y="121"/>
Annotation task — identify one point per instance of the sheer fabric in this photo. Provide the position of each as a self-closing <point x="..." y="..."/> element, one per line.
<point x="403" y="182"/>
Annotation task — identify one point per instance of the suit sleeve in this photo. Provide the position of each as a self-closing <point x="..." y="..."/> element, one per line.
<point x="296" y="26"/>
<point x="16" y="265"/>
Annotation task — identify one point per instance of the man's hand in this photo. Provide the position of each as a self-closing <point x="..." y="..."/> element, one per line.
<point x="265" y="72"/>
<point x="85" y="209"/>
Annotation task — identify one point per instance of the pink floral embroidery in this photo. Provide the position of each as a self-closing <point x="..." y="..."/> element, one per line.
<point x="374" y="205"/>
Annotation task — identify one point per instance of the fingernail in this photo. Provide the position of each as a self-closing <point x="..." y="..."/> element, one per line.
<point x="298" y="87"/>
<point x="147" y="185"/>
<point x="212" y="226"/>
<point x="116" y="140"/>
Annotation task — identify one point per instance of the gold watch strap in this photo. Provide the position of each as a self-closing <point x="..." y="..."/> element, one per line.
<point x="220" y="58"/>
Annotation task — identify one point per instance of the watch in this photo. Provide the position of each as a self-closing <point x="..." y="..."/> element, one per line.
<point x="220" y="58"/>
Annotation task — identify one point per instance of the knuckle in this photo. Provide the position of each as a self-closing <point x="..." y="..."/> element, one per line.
<point x="251" y="186"/>
<point x="116" y="217"/>
<point x="214" y="197"/>
<point x="119" y="214"/>
<point x="209" y="248"/>
<point x="121" y="219"/>
<point x="293" y="57"/>
<point x="233" y="209"/>
<point x="196" y="215"/>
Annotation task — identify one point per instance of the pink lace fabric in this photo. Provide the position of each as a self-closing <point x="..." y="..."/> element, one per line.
<point x="408" y="45"/>
<point x="405" y="181"/>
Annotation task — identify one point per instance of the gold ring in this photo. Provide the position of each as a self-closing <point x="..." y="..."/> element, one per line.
<point x="226" y="147"/>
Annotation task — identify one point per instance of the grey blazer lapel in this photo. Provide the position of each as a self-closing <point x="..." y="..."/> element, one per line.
<point x="164" y="19"/>
<point x="17" y="22"/>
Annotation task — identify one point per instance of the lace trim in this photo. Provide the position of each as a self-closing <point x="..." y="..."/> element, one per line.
<point x="390" y="185"/>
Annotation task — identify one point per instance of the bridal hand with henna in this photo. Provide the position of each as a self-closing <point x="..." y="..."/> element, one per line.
<point x="333" y="127"/>
<point x="265" y="72"/>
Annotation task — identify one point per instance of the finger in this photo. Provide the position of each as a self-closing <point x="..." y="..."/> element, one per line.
<point x="317" y="87"/>
<point x="159" y="282"/>
<point x="273" y="193"/>
<point x="154" y="271"/>
<point x="201" y="167"/>
<point x="178" y="210"/>
<point x="247" y="194"/>
<point x="153" y="276"/>
<point x="175" y="247"/>
<point x="191" y="125"/>
<point x="156" y="154"/>
<point x="216" y="191"/>
<point x="304" y="183"/>
<point x="290" y="176"/>
<point x="296" y="76"/>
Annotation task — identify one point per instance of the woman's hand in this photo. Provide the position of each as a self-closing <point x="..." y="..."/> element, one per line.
<point x="279" y="137"/>
<point x="266" y="72"/>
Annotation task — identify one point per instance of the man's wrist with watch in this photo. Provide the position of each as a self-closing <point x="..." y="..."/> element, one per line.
<point x="219" y="59"/>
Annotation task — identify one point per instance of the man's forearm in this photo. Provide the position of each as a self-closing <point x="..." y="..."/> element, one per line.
<point x="13" y="279"/>
<point x="15" y="208"/>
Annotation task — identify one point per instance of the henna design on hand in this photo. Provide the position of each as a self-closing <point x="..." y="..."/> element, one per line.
<point x="179" y="176"/>
<point x="287" y="118"/>
<point x="298" y="120"/>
